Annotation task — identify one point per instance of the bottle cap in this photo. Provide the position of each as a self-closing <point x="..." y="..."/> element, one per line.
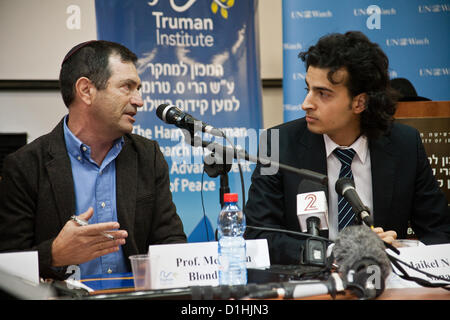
<point x="230" y="197"/>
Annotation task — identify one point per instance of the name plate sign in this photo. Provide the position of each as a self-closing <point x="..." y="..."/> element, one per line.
<point x="196" y="264"/>
<point x="433" y="259"/>
<point x="22" y="264"/>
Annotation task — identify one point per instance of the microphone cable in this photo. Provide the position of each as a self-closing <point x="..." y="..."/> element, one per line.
<point x="424" y="283"/>
<point x="239" y="167"/>
<point x="203" y="207"/>
<point x="291" y="232"/>
<point x="241" y="175"/>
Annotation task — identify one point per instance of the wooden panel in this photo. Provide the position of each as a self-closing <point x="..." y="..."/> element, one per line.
<point x="432" y="119"/>
<point x="423" y="109"/>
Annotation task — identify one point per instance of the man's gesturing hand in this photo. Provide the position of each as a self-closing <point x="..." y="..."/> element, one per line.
<point x="78" y="244"/>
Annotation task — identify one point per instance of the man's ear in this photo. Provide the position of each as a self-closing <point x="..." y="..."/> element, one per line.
<point x="84" y="90"/>
<point x="359" y="103"/>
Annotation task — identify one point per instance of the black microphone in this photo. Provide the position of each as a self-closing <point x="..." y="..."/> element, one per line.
<point x="346" y="188"/>
<point x="312" y="214"/>
<point x="172" y="115"/>
<point x="361" y="257"/>
<point x="221" y="292"/>
<point x="312" y="210"/>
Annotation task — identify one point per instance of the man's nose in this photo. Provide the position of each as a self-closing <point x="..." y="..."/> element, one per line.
<point x="307" y="102"/>
<point x="136" y="100"/>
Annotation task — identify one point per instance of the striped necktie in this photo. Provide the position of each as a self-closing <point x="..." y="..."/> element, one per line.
<point x="346" y="215"/>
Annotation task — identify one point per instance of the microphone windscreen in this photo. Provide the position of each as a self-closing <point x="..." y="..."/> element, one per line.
<point x="359" y="243"/>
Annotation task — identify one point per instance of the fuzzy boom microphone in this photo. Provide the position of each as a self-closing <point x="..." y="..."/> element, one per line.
<point x="361" y="256"/>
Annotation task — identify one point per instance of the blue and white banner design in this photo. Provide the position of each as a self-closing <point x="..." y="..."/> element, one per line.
<point x="202" y="57"/>
<point x="413" y="34"/>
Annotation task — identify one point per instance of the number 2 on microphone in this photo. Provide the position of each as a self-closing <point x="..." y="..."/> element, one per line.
<point x="311" y="205"/>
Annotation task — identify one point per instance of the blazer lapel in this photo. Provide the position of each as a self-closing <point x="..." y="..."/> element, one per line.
<point x="126" y="184"/>
<point x="382" y="158"/>
<point x="312" y="152"/>
<point x="305" y="150"/>
<point x="312" y="156"/>
<point x="60" y="175"/>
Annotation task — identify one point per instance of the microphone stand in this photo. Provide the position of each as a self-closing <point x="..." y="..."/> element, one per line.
<point x="214" y="165"/>
<point x="238" y="153"/>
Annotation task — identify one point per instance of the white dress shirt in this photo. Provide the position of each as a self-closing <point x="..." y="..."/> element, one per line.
<point x="362" y="176"/>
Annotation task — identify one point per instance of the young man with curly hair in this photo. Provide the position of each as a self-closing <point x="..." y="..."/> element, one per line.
<point x="349" y="108"/>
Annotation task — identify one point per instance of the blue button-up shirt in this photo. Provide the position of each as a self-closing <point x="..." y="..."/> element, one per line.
<point x="95" y="186"/>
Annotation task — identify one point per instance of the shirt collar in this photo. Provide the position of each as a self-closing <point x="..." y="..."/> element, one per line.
<point x="361" y="146"/>
<point x="77" y="148"/>
<point x="73" y="144"/>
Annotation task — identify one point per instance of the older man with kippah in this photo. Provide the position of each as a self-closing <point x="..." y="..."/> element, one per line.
<point x="92" y="169"/>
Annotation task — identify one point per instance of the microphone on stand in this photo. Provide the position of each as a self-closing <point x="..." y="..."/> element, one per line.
<point x="170" y="114"/>
<point x="346" y="187"/>
<point x="312" y="213"/>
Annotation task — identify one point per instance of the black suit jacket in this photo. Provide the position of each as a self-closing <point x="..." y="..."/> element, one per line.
<point x="37" y="197"/>
<point x="403" y="186"/>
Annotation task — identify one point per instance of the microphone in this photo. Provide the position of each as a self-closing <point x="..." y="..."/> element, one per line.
<point x="346" y="187"/>
<point x="172" y="115"/>
<point x="221" y="292"/>
<point x="295" y="290"/>
<point x="362" y="259"/>
<point x="312" y="214"/>
<point x="312" y="207"/>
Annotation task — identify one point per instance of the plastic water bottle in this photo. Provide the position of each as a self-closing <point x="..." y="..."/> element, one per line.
<point x="232" y="251"/>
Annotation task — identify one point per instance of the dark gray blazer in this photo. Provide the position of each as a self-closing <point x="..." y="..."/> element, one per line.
<point x="404" y="189"/>
<point x="37" y="197"/>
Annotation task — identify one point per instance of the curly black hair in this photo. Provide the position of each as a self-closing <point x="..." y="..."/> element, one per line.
<point x="367" y="66"/>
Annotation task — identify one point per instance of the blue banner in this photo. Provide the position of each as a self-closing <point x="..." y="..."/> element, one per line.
<point x="202" y="57"/>
<point x="413" y="34"/>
